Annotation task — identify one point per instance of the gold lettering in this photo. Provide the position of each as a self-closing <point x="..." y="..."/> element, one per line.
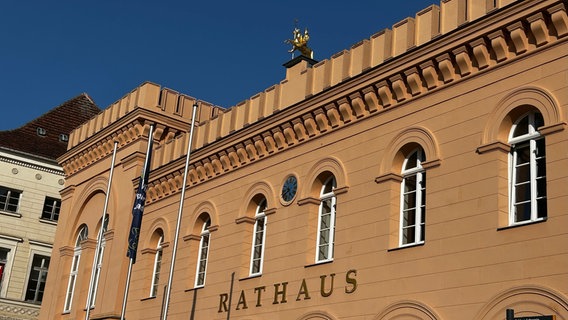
<point x="322" y="287"/>
<point x="278" y="292"/>
<point x="259" y="290"/>
<point x="351" y="280"/>
<point x="223" y="298"/>
<point x="242" y="301"/>
<point x="303" y="291"/>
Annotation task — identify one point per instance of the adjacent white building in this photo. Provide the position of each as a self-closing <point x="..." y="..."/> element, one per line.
<point x="30" y="181"/>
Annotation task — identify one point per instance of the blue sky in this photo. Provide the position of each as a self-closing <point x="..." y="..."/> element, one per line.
<point x="219" y="51"/>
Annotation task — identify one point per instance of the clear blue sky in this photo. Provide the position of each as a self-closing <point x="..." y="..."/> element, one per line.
<point x="219" y="51"/>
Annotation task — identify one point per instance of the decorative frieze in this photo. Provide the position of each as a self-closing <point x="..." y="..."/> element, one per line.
<point x="387" y="90"/>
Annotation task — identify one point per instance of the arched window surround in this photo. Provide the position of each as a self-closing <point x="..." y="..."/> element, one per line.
<point x="310" y="199"/>
<point x="81" y="236"/>
<point x="205" y="213"/>
<point x="391" y="173"/>
<point x="496" y="144"/>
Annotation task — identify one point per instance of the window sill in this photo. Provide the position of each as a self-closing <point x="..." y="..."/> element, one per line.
<point x="194" y="289"/>
<point x="251" y="277"/>
<point x="51" y="222"/>
<point x="419" y="244"/>
<point x="147" y="298"/>
<point x="10" y="214"/>
<point x="318" y="263"/>
<point x="522" y="224"/>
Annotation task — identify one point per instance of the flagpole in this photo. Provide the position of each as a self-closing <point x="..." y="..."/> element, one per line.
<point x="123" y="313"/>
<point x="100" y="235"/>
<point x="143" y="178"/>
<point x="178" y="224"/>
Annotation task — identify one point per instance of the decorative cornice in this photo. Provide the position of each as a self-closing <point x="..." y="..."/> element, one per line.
<point x="362" y="96"/>
<point x="31" y="166"/>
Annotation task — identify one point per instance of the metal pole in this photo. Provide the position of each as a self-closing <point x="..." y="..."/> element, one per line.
<point x="123" y="313"/>
<point x="178" y="224"/>
<point x="100" y="235"/>
<point x="131" y="262"/>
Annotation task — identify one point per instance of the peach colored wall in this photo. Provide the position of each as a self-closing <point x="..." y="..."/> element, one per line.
<point x="451" y="96"/>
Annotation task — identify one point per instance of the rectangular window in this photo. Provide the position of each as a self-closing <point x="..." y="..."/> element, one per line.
<point x="527" y="165"/>
<point x="72" y="278"/>
<point x="3" y="263"/>
<point x="51" y="208"/>
<point x="258" y="245"/>
<point x="9" y="199"/>
<point x="157" y="268"/>
<point x="202" y="260"/>
<point x="37" y="278"/>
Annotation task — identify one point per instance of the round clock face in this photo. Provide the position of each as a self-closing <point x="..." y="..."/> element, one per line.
<point x="289" y="188"/>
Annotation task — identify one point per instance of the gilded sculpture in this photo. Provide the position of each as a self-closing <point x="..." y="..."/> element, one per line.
<point x="300" y="43"/>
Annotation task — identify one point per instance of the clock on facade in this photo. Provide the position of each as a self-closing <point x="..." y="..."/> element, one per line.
<point x="289" y="188"/>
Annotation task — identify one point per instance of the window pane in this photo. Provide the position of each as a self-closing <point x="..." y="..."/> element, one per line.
<point x="541" y="187"/>
<point x="409" y="200"/>
<point x="409" y="218"/>
<point x="541" y="207"/>
<point x="328" y="187"/>
<point x="323" y="253"/>
<point x="324" y="237"/>
<point x="408" y="235"/>
<point x="522" y="127"/>
<point x="538" y="120"/>
<point x="37" y="277"/>
<point x="522" y="173"/>
<point x="256" y="266"/>
<point x="410" y="184"/>
<point x="522" y="192"/>
<point x="540" y="168"/>
<point x="51" y="209"/>
<point x="523" y="154"/>
<point x="540" y="148"/>
<point x="412" y="161"/>
<point x="522" y="212"/>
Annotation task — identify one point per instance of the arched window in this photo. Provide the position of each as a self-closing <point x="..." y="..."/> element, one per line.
<point x="99" y="262"/>
<point x="82" y="236"/>
<point x="413" y="199"/>
<point x="258" y="239"/>
<point x="527" y="167"/>
<point x="326" y="221"/>
<point x="203" y="253"/>
<point x="157" y="267"/>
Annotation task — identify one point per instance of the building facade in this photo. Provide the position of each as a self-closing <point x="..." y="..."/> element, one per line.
<point x="418" y="175"/>
<point x="30" y="181"/>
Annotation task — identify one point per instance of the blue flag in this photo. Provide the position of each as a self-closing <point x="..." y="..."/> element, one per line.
<point x="139" y="201"/>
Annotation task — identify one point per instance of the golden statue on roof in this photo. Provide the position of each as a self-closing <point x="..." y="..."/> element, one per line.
<point x="300" y="43"/>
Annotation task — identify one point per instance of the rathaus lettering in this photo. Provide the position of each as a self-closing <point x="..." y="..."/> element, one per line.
<point x="258" y="295"/>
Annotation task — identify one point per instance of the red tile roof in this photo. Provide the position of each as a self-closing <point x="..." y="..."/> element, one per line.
<point x="60" y="120"/>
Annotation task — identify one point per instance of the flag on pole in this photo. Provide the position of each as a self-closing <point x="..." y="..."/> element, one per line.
<point x="139" y="200"/>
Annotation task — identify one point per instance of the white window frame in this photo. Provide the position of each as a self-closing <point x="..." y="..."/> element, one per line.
<point x="531" y="137"/>
<point x="204" y="246"/>
<point x="157" y="268"/>
<point x="36" y="248"/>
<point x="99" y="261"/>
<point x="30" y="271"/>
<point x="419" y="205"/>
<point x="10" y="243"/>
<point x="69" y="293"/>
<point x="325" y="250"/>
<point x="55" y="208"/>
<point x="258" y="241"/>
<point x="97" y="275"/>
<point x="4" y="208"/>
